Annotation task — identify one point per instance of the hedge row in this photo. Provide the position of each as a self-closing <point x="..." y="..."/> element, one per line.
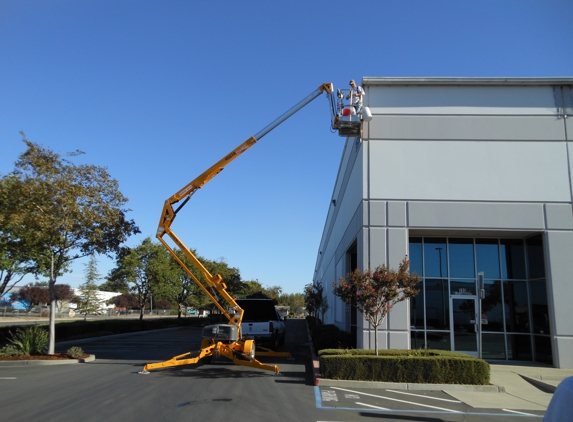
<point x="426" y="366"/>
<point x="393" y="352"/>
<point x="95" y="328"/>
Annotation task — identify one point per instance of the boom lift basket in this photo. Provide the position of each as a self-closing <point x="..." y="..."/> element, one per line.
<point x="346" y="121"/>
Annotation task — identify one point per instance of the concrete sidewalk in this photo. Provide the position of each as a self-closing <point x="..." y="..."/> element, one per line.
<point x="527" y="386"/>
<point x="524" y="387"/>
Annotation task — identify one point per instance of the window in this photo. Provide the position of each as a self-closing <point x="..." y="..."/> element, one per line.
<point x="435" y="263"/>
<point x="417" y="307"/>
<point x="539" y="309"/>
<point x="461" y="258"/>
<point x="535" y="263"/>
<point x="437" y="304"/>
<point x="517" y="306"/>
<point x="416" y="256"/>
<point x="512" y="259"/>
<point x="515" y="312"/>
<point x="491" y="306"/>
<point x="487" y="257"/>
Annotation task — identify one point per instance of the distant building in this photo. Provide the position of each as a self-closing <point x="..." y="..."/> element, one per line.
<point x="463" y="175"/>
<point x="7" y="302"/>
<point x="103" y="297"/>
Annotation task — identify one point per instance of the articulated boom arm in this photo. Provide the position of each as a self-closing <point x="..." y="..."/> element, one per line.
<point x="168" y="215"/>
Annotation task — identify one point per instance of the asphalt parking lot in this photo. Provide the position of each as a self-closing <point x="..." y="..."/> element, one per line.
<point x="110" y="388"/>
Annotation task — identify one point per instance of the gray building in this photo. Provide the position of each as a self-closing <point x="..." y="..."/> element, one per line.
<point x="463" y="175"/>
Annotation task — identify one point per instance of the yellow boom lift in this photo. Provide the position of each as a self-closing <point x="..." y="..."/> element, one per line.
<point x="226" y="339"/>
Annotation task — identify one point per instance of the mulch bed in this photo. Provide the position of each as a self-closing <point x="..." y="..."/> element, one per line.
<point x="55" y="356"/>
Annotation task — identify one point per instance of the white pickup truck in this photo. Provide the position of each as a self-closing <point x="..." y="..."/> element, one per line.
<point x="262" y="322"/>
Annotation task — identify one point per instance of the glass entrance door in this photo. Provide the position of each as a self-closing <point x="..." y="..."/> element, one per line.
<point x="463" y="324"/>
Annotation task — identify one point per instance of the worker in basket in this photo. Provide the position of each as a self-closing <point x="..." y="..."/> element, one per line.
<point x="355" y="96"/>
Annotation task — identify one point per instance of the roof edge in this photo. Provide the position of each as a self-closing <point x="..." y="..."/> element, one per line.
<point x="557" y="80"/>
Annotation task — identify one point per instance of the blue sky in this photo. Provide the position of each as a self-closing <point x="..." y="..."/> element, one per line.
<point x="158" y="91"/>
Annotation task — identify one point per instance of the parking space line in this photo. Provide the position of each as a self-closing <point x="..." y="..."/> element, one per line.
<point x="398" y="400"/>
<point x="521" y="413"/>
<point x="372" y="406"/>
<point x="319" y="405"/>
<point x="426" y="397"/>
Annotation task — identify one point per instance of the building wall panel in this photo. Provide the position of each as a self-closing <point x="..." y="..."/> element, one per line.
<point x="399" y="317"/>
<point x="476" y="215"/>
<point x="399" y="340"/>
<point x="534" y="100"/>
<point x="397" y="214"/>
<point x="377" y="215"/>
<point x="564" y="351"/>
<point x="472" y="171"/>
<point x="559" y="216"/>
<point x="480" y="128"/>
<point x="560" y="286"/>
<point x="377" y="247"/>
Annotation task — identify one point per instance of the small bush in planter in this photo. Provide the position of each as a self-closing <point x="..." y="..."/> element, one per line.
<point x="31" y="341"/>
<point x="75" y="352"/>
<point x="10" y="350"/>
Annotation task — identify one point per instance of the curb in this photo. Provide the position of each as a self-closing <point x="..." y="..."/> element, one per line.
<point x="8" y="363"/>
<point x="313" y="358"/>
<point x="391" y="385"/>
<point x="543" y="386"/>
<point x="410" y="386"/>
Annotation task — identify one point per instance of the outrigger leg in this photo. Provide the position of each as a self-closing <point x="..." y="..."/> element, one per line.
<point x="240" y="352"/>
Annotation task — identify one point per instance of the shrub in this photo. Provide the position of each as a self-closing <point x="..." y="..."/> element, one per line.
<point x="434" y="367"/>
<point x="30" y="341"/>
<point x="10" y="350"/>
<point x="312" y="322"/>
<point x="75" y="352"/>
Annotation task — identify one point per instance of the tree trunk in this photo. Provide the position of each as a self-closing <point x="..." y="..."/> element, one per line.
<point x="376" y="339"/>
<point x="52" y="325"/>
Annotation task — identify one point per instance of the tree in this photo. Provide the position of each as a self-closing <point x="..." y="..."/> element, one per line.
<point x="31" y="296"/>
<point x="231" y="276"/>
<point x="62" y="292"/>
<point x="65" y="212"/>
<point x="315" y="300"/>
<point x="146" y="268"/>
<point x="182" y="288"/>
<point x="274" y="292"/>
<point x="251" y="287"/>
<point x="115" y="283"/>
<point x="295" y="301"/>
<point x="374" y="293"/>
<point x="127" y="301"/>
<point x="89" y="301"/>
<point x="17" y="258"/>
<point x="162" y="304"/>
